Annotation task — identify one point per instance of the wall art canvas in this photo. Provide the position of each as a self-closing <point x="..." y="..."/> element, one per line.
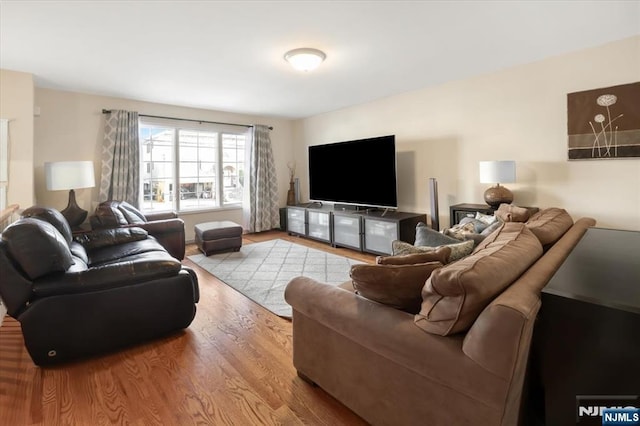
<point x="604" y="123"/>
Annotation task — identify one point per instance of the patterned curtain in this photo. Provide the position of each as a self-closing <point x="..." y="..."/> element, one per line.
<point x="263" y="213"/>
<point x="120" y="176"/>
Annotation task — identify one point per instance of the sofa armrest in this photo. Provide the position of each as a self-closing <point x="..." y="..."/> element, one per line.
<point x="170" y="233"/>
<point x="502" y="332"/>
<point x="391" y="333"/>
<point x="161" y="216"/>
<point x="108" y="276"/>
<point x="164" y="226"/>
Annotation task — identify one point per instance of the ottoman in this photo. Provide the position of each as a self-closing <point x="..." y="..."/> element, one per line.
<point x="218" y="237"/>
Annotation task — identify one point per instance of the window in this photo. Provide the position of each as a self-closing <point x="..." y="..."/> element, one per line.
<point x="187" y="168"/>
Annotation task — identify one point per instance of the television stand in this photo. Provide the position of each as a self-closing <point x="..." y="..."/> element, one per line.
<point x="312" y="204"/>
<point x="370" y="230"/>
<point x="349" y="207"/>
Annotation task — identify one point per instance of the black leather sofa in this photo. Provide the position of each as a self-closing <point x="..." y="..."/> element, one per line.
<point x="166" y="227"/>
<point x="101" y="291"/>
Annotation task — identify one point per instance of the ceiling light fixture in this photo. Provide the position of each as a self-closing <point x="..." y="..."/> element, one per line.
<point x="305" y="59"/>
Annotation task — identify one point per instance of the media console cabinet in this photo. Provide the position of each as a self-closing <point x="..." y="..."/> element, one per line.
<point x="366" y="231"/>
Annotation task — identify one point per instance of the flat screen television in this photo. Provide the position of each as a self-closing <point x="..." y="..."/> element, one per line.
<point x="359" y="172"/>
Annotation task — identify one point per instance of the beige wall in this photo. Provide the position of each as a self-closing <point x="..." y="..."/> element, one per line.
<point x="16" y="105"/>
<point x="70" y="127"/>
<point x="516" y="114"/>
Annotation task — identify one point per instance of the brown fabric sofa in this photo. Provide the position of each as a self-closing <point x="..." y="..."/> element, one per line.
<point x="381" y="363"/>
<point x="166" y="227"/>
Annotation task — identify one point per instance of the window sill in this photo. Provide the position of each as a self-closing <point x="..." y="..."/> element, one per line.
<point x="196" y="211"/>
<point x="211" y="210"/>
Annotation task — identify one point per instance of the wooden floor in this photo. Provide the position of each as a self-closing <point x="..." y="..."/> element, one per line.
<point x="232" y="366"/>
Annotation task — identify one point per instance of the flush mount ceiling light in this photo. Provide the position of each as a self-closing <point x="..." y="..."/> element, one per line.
<point x="305" y="59"/>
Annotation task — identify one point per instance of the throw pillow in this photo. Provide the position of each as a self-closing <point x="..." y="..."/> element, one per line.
<point x="428" y="237"/>
<point x="37" y="246"/>
<point x="478" y="225"/>
<point x="458" y="250"/>
<point x="511" y="213"/>
<point x="486" y="218"/>
<point x="491" y="228"/>
<point x="438" y="255"/>
<point x="54" y="217"/>
<point x="398" y="286"/>
<point x="456" y="294"/>
<point x="460" y="231"/>
<point x="549" y="225"/>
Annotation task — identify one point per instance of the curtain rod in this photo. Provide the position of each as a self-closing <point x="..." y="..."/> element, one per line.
<point x="107" y="111"/>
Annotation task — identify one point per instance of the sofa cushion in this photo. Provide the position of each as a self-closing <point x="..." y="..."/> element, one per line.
<point x="54" y="217"/>
<point x="37" y="246"/>
<point x="398" y="286"/>
<point x="116" y="253"/>
<point x="550" y="224"/>
<point x="458" y="250"/>
<point x="440" y="254"/>
<point x="478" y="225"/>
<point x="132" y="214"/>
<point x="511" y="213"/>
<point x="456" y="294"/>
<point x="111" y="237"/>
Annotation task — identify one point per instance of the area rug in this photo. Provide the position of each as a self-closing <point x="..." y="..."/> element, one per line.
<point x="262" y="270"/>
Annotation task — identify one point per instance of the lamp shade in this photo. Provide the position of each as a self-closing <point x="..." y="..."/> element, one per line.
<point x="61" y="175"/>
<point x="305" y="59"/>
<point x="497" y="171"/>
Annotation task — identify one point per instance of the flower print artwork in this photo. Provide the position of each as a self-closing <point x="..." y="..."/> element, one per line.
<point x="606" y="129"/>
<point x="604" y="123"/>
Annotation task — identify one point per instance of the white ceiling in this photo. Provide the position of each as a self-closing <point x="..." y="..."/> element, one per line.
<point x="229" y="55"/>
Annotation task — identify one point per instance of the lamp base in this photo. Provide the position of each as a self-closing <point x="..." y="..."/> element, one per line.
<point x="73" y="213"/>
<point x="497" y="195"/>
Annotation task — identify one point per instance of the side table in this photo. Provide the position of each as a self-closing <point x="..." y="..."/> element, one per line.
<point x="586" y="341"/>
<point x="84" y="228"/>
<point x="457" y="212"/>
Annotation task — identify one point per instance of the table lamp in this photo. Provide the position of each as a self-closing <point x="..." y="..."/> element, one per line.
<point x="62" y="175"/>
<point x="497" y="172"/>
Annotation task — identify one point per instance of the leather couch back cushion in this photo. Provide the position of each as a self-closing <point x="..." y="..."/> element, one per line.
<point x="132" y="214"/>
<point x="37" y="247"/>
<point x="54" y="217"/>
<point x="456" y="294"/>
<point x="114" y="213"/>
<point x="111" y="237"/>
<point x="398" y="286"/>
<point x="550" y="224"/>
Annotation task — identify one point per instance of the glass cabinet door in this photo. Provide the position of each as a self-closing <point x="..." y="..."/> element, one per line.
<point x="319" y="225"/>
<point x="347" y="231"/>
<point x="379" y="234"/>
<point x="295" y="220"/>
